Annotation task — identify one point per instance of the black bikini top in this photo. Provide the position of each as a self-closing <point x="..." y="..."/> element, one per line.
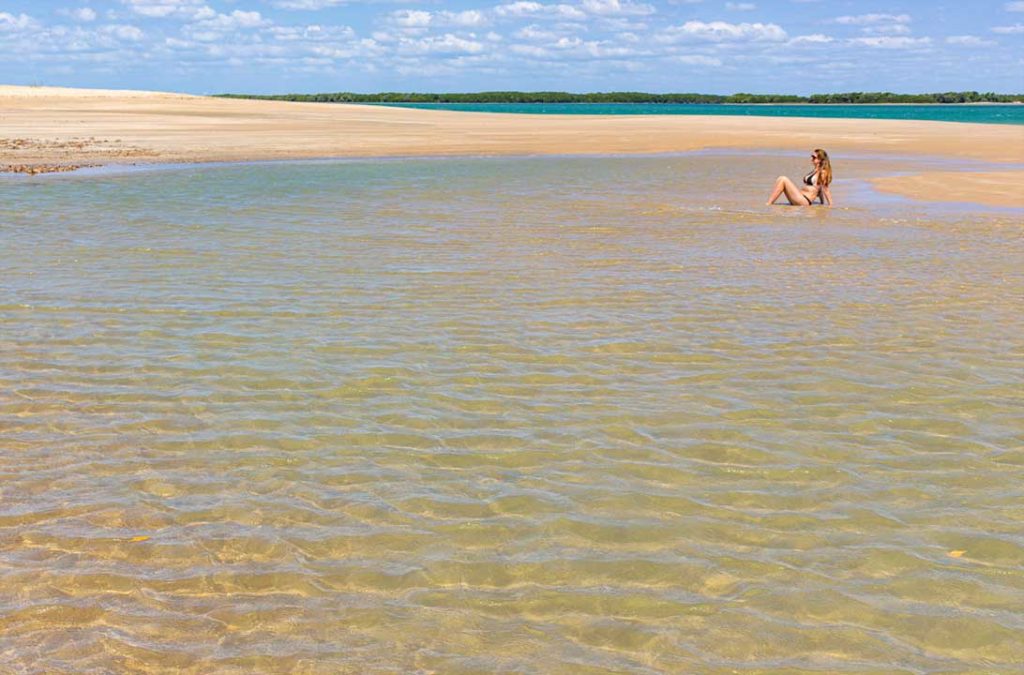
<point x="811" y="178"/>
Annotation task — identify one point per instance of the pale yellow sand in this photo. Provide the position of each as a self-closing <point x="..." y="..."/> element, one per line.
<point x="997" y="188"/>
<point x="70" y="127"/>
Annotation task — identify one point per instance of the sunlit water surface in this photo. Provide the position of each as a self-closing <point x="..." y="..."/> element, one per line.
<point x="524" y="415"/>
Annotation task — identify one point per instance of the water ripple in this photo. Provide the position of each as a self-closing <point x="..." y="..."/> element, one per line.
<point x="531" y="415"/>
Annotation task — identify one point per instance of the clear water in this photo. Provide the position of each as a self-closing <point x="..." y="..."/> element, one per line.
<point x="529" y="415"/>
<point x="980" y="114"/>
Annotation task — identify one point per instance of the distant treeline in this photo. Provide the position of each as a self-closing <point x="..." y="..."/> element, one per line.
<point x="638" y="97"/>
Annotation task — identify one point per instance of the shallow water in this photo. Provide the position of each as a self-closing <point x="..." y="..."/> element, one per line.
<point x="524" y="415"/>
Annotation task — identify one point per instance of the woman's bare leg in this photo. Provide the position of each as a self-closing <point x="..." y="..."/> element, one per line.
<point x="777" y="190"/>
<point x="793" y="194"/>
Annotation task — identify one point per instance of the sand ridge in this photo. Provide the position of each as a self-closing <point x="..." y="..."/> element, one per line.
<point x="45" y="128"/>
<point x="999" y="188"/>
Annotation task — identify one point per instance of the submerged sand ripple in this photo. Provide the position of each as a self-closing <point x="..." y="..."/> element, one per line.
<point x="533" y="415"/>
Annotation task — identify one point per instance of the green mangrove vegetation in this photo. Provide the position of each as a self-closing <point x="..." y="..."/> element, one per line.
<point x="856" y="97"/>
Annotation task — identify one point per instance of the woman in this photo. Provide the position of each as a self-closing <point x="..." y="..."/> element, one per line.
<point x="817" y="184"/>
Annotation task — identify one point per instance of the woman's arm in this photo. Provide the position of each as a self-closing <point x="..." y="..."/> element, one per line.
<point x="826" y="190"/>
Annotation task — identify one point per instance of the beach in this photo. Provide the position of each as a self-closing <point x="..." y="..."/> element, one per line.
<point x="50" y="129"/>
<point x="460" y="392"/>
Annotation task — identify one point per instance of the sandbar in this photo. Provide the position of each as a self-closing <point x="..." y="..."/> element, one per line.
<point x="1000" y="188"/>
<point x="49" y="129"/>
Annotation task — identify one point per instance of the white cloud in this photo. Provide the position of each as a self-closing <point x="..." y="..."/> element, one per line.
<point x="123" y="32"/>
<point x="575" y="49"/>
<point x="10" y="23"/>
<point x="567" y="43"/>
<point x="469" y="17"/>
<point x="61" y="45"/>
<point x="532" y="51"/>
<point x="362" y="49"/>
<point x="813" y="39"/>
<point x="166" y="8"/>
<point x="888" y="29"/>
<point x="887" y="42"/>
<point x="529" y="9"/>
<point x="698" y="60"/>
<point x="878" y="24"/>
<point x="441" y="44"/>
<point x="420" y="19"/>
<point x="310" y="5"/>
<point x="604" y="49"/>
<point x="410" y="18"/>
<point x="1017" y="6"/>
<point x="234" y="21"/>
<point x="1009" y="30"/>
<point x="968" y="41"/>
<point x="521" y="8"/>
<point x="210" y="40"/>
<point x="311" y="33"/>
<point x="82" y="14"/>
<point x="536" y="33"/>
<point x="871" y="19"/>
<point x="740" y="6"/>
<point x="616" y="8"/>
<point x="721" y="31"/>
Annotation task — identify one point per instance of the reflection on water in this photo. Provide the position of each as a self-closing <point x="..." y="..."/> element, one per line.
<point x="527" y="415"/>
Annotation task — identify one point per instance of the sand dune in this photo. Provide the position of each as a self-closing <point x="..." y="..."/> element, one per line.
<point x="45" y="128"/>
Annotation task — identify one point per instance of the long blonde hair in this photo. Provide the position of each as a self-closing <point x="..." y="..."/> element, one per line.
<point x="824" y="167"/>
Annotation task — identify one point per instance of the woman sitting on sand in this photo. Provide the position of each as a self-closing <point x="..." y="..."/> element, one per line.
<point x="816" y="184"/>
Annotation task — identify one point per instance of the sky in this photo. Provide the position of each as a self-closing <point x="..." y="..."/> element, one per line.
<point x="706" y="46"/>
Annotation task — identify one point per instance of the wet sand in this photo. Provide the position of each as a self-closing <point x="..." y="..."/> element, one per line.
<point x="1000" y="188"/>
<point x="46" y="129"/>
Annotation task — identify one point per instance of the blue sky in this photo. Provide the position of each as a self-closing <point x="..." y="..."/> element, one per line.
<point x="276" y="46"/>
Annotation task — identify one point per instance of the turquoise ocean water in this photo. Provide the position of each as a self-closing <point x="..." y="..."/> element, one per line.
<point x="983" y="114"/>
